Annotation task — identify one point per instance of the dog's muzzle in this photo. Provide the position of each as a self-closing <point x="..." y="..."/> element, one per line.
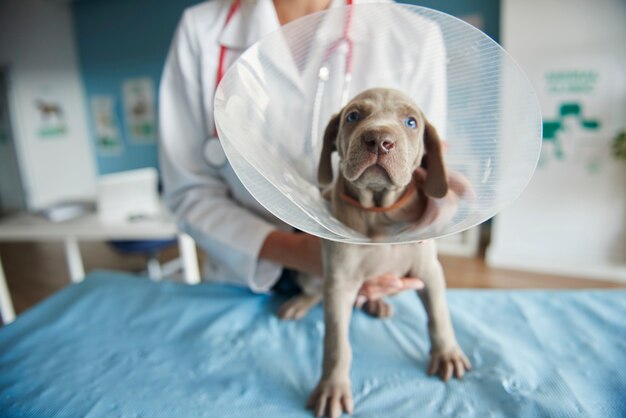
<point x="378" y="141"/>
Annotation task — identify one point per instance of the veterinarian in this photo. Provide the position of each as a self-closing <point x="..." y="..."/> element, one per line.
<point x="244" y="243"/>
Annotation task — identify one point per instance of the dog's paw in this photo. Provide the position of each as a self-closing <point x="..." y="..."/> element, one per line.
<point x="378" y="308"/>
<point x="331" y="398"/>
<point x="447" y="363"/>
<point x="297" y="307"/>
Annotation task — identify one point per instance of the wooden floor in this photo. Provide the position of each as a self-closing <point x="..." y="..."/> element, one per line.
<point x="36" y="270"/>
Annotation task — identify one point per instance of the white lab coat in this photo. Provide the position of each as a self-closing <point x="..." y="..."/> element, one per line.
<point x="210" y="203"/>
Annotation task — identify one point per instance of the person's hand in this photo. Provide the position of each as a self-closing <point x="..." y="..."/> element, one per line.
<point x="386" y="285"/>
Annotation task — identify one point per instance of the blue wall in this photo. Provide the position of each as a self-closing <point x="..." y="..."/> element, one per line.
<point x="121" y="39"/>
<point x="489" y="10"/>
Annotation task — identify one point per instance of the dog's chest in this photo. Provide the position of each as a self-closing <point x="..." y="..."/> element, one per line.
<point x="400" y="260"/>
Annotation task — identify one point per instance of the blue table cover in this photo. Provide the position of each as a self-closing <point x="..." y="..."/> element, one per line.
<point x="118" y="345"/>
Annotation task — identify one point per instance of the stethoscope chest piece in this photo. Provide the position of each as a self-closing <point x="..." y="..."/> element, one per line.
<point x="214" y="153"/>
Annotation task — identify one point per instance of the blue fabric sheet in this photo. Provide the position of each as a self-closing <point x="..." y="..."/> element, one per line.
<point x="118" y="345"/>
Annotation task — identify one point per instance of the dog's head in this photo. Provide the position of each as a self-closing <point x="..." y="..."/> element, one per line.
<point x="382" y="138"/>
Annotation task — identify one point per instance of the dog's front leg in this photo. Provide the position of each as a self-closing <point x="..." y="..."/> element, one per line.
<point x="447" y="358"/>
<point x="333" y="394"/>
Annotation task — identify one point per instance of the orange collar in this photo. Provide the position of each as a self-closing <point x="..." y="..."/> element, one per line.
<point x="408" y="195"/>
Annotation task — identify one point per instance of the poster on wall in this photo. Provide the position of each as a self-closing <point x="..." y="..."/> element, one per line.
<point x="108" y="140"/>
<point x="139" y="109"/>
<point x="51" y="114"/>
<point x="579" y="96"/>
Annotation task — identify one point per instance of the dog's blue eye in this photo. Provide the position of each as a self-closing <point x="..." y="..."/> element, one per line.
<point x="353" y="116"/>
<point x="410" y="122"/>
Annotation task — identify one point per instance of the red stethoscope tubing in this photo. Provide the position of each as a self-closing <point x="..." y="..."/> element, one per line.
<point x="220" y="67"/>
<point x="345" y="37"/>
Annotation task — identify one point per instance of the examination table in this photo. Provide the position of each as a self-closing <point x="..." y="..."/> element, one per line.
<point x="119" y="345"/>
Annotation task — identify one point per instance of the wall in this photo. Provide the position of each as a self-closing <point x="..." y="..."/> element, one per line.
<point x="484" y="14"/>
<point x="118" y="40"/>
<point x="37" y="46"/>
<point x="572" y="218"/>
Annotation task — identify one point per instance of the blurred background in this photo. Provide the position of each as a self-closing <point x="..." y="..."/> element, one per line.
<point x="78" y="117"/>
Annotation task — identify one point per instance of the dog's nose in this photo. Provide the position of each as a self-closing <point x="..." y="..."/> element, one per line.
<point x="378" y="142"/>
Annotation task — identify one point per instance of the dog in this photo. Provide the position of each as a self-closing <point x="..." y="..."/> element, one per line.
<point x="390" y="167"/>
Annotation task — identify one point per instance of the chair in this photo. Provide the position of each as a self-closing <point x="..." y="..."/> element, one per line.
<point x="151" y="249"/>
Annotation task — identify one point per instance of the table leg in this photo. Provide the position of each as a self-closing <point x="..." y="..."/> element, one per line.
<point x="154" y="269"/>
<point x="189" y="257"/>
<point x="6" y="306"/>
<point x="74" y="260"/>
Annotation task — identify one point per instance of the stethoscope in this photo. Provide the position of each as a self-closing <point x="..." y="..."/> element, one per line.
<point x="324" y="74"/>
<point x="213" y="151"/>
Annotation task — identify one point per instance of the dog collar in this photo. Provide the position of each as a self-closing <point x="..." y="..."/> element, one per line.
<point x="407" y="196"/>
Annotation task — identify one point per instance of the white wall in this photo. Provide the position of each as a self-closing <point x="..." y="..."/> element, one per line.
<point x="37" y="44"/>
<point x="572" y="218"/>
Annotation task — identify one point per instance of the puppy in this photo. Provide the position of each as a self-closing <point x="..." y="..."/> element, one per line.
<point x="391" y="167"/>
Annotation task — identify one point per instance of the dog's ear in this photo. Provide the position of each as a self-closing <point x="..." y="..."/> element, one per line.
<point x="436" y="182"/>
<point x="325" y="169"/>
